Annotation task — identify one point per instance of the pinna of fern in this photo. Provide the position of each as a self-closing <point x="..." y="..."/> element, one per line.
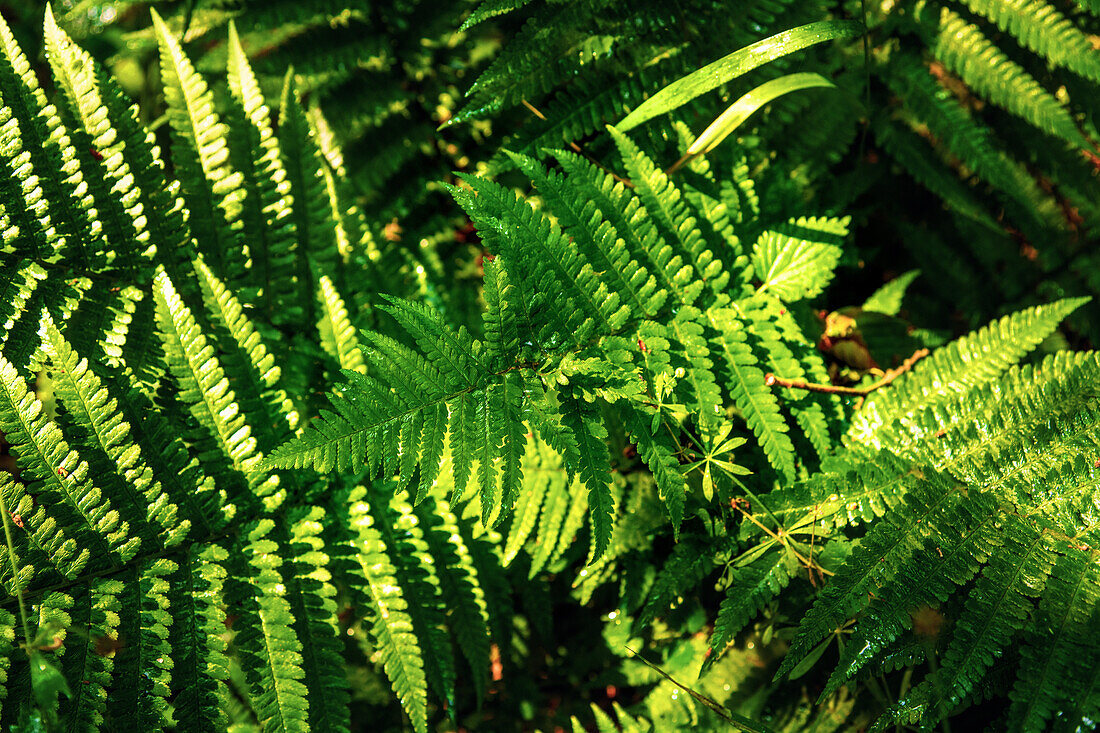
<point x="142" y="510"/>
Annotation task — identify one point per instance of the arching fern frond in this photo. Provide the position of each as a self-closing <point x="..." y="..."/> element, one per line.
<point x="967" y="52"/>
<point x="963" y="525"/>
<point x="100" y="426"/>
<point x="200" y="154"/>
<point x="968" y="362"/>
<point x="1044" y="30"/>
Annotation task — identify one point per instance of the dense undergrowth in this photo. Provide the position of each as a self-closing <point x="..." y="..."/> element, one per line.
<point x="541" y="365"/>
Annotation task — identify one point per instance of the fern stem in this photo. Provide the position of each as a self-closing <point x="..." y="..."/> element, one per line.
<point x="771" y="380"/>
<point x="740" y="722"/>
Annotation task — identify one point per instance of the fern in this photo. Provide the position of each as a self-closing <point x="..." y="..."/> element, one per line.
<point x="1044" y="30"/>
<point x="968" y="362"/>
<point x="984" y="66"/>
<point x="144" y="525"/>
<point x="211" y="188"/>
<point x="965" y="51"/>
<point x="556" y="393"/>
<point x="963" y="526"/>
<point x="478" y="394"/>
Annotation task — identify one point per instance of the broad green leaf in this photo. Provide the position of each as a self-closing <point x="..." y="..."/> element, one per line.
<point x="794" y="267"/>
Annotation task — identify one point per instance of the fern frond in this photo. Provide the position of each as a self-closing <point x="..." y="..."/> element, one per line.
<point x="1051" y="666"/>
<point x="311" y="595"/>
<point x="934" y="502"/>
<point x="997" y="516"/>
<point x="917" y="158"/>
<point x="972" y="360"/>
<point x="144" y="665"/>
<point x="984" y="67"/>
<point x="21" y="280"/>
<point x="312" y="212"/>
<point x="81" y="525"/>
<point x="249" y="361"/>
<point x="673" y="220"/>
<point x="391" y="626"/>
<point x="561" y="290"/>
<point x="461" y="592"/>
<point x="554" y="499"/>
<point x="592" y="466"/>
<point x="691" y="560"/>
<point x="791" y="356"/>
<point x="150" y="201"/>
<point x="419" y="580"/>
<point x="998" y="605"/>
<point x="744" y="380"/>
<point x="201" y="666"/>
<point x="628" y="218"/>
<point x="268" y="203"/>
<point x="489" y="9"/>
<point x="1040" y="27"/>
<point x="98" y="609"/>
<point x="40" y="152"/>
<point x="751" y="586"/>
<point x="967" y="139"/>
<point x="595" y="237"/>
<point x="94" y="413"/>
<point x="265" y="636"/>
<point x="887" y="299"/>
<point x="204" y="389"/>
<point x="659" y="453"/>
<point x="500" y="319"/>
<point x="211" y="188"/>
<point x="337" y="334"/>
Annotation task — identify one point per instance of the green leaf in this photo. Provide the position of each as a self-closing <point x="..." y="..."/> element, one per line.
<point x="793" y="264"/>
<point x="736" y="64"/>
<point x="887" y="299"/>
<point x="749" y="103"/>
<point x="809" y="660"/>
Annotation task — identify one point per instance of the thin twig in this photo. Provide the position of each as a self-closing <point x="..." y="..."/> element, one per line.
<point x="889" y="376"/>
<point x="788" y="544"/>
<point x="534" y="110"/>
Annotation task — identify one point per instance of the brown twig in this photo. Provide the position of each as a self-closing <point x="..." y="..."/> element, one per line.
<point x="535" y="111"/>
<point x="578" y="149"/>
<point x="889" y="376"/>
